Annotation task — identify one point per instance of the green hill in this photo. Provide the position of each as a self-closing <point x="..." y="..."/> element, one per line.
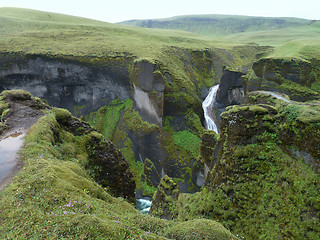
<point x="30" y="31"/>
<point x="218" y="24"/>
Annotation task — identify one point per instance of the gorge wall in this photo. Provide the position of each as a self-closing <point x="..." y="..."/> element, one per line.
<point x="80" y="87"/>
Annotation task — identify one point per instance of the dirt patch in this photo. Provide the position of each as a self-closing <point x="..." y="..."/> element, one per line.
<point x="23" y="114"/>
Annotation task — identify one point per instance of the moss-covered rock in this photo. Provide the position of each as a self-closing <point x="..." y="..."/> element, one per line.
<point x="208" y="141"/>
<point x="199" y="229"/>
<point x="62" y="115"/>
<point x="108" y="167"/>
<point x="17" y="95"/>
<point x="298" y="78"/>
<point x="164" y="199"/>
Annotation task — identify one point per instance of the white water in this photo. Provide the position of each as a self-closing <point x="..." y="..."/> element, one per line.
<point x="207" y="106"/>
<point x="276" y="95"/>
<point x="143" y="205"/>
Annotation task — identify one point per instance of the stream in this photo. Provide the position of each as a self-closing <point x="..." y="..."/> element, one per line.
<point x="276" y="95"/>
<point x="143" y="205"/>
<point x="9" y="147"/>
<point x="207" y="106"/>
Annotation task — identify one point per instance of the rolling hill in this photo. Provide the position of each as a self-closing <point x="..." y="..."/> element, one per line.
<point x="212" y="25"/>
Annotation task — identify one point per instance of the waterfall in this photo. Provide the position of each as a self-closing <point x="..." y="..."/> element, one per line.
<point x="207" y="106"/>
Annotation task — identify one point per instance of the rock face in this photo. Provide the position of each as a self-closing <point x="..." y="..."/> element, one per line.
<point x="230" y="89"/>
<point x="148" y="93"/>
<point x="79" y="87"/>
<point x="209" y="139"/>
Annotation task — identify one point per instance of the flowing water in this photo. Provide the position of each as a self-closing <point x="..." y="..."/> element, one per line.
<point x="276" y="95"/>
<point x="207" y="106"/>
<point x="143" y="205"/>
<point x="9" y="147"/>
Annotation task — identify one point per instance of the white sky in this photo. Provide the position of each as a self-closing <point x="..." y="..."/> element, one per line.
<point x="121" y="10"/>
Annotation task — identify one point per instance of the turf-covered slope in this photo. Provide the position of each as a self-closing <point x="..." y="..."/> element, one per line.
<point x="218" y="24"/>
<point x="34" y="15"/>
<point x="25" y="31"/>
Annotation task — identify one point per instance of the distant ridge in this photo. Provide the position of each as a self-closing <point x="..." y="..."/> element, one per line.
<point x="218" y="24"/>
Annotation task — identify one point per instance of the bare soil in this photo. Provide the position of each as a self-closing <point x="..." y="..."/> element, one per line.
<point x="23" y="114"/>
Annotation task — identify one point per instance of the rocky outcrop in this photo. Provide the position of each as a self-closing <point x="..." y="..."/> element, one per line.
<point x="230" y="89"/>
<point x="208" y="141"/>
<point x="108" y="167"/>
<point x="148" y="93"/>
<point x="297" y="78"/>
<point x="253" y="152"/>
<point x="164" y="198"/>
<point x="298" y="71"/>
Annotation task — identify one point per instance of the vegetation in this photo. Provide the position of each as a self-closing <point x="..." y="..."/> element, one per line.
<point x="53" y="197"/>
<point x="260" y="186"/>
<point x="218" y="24"/>
<point x="114" y="122"/>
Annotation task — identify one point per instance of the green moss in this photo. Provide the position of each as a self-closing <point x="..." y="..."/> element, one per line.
<point x="16" y="94"/>
<point x="77" y="109"/>
<point x="62" y="114"/>
<point x="315" y="86"/>
<point x="301" y="113"/>
<point x="199" y="229"/>
<point x="261" y="190"/>
<point x="188" y="141"/>
<point x="300" y="92"/>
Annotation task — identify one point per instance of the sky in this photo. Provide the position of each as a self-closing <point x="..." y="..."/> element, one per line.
<point x="120" y="10"/>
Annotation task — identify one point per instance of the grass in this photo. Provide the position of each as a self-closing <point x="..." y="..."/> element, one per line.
<point x="24" y="30"/>
<point x="218" y="24"/>
<point x="188" y="141"/>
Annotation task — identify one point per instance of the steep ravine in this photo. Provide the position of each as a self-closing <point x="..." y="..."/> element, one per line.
<point x="149" y="109"/>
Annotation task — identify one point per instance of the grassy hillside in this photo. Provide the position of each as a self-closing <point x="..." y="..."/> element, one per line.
<point x="218" y="24"/>
<point x="38" y="32"/>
